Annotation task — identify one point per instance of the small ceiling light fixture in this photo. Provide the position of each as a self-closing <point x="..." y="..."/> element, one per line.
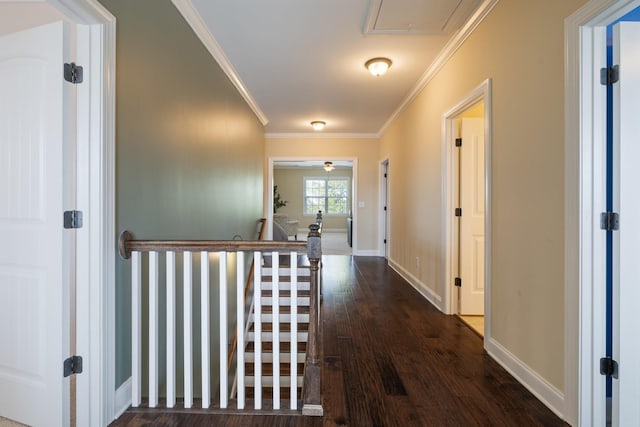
<point x="378" y="66"/>
<point x="328" y="166"/>
<point x="318" y="124"/>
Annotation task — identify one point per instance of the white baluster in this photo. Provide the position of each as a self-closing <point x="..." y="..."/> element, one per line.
<point x="188" y="330"/>
<point x="257" y="331"/>
<point x="136" y="330"/>
<point x="240" y="303"/>
<point x="294" y="332"/>
<point x="224" y="386"/>
<point x="275" y="324"/>
<point x="204" y="328"/>
<point x="171" y="329"/>
<point x="153" y="329"/>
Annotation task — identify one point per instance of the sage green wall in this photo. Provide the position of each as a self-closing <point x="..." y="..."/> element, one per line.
<point x="189" y="150"/>
<point x="290" y="182"/>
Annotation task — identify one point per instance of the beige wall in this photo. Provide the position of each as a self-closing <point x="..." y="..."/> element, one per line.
<point x="290" y="182"/>
<point x="189" y="150"/>
<point x="368" y="164"/>
<point x="520" y="47"/>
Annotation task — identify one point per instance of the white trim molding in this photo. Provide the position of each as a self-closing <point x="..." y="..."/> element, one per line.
<point x="449" y="189"/>
<point x="95" y="324"/>
<point x="538" y="386"/>
<point x="443" y="57"/>
<point x="419" y="286"/>
<point x="123" y="397"/>
<point x="585" y="171"/>
<point x="195" y="21"/>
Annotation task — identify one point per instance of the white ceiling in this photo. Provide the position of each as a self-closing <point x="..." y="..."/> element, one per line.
<point x="296" y="61"/>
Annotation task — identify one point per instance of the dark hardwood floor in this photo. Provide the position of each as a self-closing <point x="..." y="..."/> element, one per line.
<point x="391" y="359"/>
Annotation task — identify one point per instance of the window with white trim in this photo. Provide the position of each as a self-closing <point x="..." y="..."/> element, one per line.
<point x="327" y="194"/>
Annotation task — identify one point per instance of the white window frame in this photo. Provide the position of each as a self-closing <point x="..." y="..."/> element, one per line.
<point x="325" y="211"/>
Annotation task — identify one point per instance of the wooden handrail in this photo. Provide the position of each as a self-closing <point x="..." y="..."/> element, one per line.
<point x="127" y="244"/>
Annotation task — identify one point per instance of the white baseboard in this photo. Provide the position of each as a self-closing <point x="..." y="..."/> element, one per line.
<point x="422" y="288"/>
<point x="531" y="380"/>
<point x="365" y="252"/>
<point x="123" y="398"/>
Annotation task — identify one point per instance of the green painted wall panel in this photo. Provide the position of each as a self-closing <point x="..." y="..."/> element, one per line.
<point x="189" y="150"/>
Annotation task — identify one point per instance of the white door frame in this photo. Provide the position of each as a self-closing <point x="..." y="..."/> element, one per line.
<point x="96" y="247"/>
<point x="384" y="217"/>
<point x="585" y="195"/>
<point x="354" y="195"/>
<point x="449" y="185"/>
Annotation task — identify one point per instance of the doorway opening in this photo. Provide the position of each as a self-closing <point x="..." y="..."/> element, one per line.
<point x="466" y="218"/>
<point x="384" y="226"/>
<point x="312" y="187"/>
<point x="591" y="397"/>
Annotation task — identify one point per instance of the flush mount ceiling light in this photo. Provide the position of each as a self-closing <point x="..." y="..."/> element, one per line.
<point x="328" y="166"/>
<point x="318" y="124"/>
<point x="378" y="66"/>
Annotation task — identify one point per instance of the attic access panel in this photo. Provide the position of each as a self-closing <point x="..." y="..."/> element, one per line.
<point x="435" y="17"/>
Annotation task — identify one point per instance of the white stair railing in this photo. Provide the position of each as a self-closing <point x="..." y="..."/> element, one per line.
<point x="230" y="310"/>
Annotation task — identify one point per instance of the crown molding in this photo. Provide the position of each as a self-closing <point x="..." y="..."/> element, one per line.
<point x="443" y="57"/>
<point x="321" y="135"/>
<point x="195" y="21"/>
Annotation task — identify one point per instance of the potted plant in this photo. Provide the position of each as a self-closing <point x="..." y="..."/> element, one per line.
<point x="277" y="201"/>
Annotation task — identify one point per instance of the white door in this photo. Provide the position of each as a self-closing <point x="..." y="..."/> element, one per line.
<point x="34" y="281"/>
<point x="472" y="219"/>
<point x="626" y="277"/>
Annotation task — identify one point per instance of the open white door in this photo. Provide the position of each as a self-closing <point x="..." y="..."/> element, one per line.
<point x="34" y="260"/>
<point x="626" y="280"/>
<point x="472" y="220"/>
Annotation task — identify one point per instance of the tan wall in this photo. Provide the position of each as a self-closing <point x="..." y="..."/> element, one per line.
<point x="520" y="47"/>
<point x="290" y="182"/>
<point x="366" y="152"/>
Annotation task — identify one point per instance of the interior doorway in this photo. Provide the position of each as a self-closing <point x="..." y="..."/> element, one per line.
<point x="385" y="239"/>
<point x="466" y="157"/>
<point x="599" y="398"/>
<point x="312" y="185"/>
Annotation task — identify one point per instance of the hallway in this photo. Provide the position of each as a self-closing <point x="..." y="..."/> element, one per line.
<point x="391" y="359"/>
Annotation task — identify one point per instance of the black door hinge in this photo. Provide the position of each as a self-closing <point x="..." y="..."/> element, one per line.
<point x="458" y="212"/>
<point x="385" y="241"/>
<point x="385" y="208"/>
<point x="72" y="365"/>
<point x="609" y="75"/>
<point x="608" y="367"/>
<point x="458" y="142"/>
<point x="73" y="73"/>
<point x="609" y="221"/>
<point x="73" y="219"/>
<point x="457" y="281"/>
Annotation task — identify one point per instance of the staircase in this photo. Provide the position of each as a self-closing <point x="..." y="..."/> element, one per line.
<point x="273" y="313"/>
<point x="281" y="339"/>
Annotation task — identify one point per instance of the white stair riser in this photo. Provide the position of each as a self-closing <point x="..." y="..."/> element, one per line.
<point x="285" y="286"/>
<point x="267" y="381"/>
<point x="284" y="336"/>
<point x="286" y="272"/>
<point x="268" y="357"/>
<point x="284" y="318"/>
<point x="286" y="301"/>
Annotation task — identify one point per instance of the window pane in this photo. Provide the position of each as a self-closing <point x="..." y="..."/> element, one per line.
<point x="313" y="204"/>
<point x="315" y="187"/>
<point x="330" y="195"/>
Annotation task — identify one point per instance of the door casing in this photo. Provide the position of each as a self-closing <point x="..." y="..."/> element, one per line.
<point x="450" y="200"/>
<point x="585" y="195"/>
<point x="95" y="295"/>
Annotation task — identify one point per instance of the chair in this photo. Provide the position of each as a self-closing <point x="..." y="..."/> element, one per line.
<point x="291" y="227"/>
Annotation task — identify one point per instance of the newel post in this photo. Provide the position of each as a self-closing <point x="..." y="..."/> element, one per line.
<point x="311" y="394"/>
